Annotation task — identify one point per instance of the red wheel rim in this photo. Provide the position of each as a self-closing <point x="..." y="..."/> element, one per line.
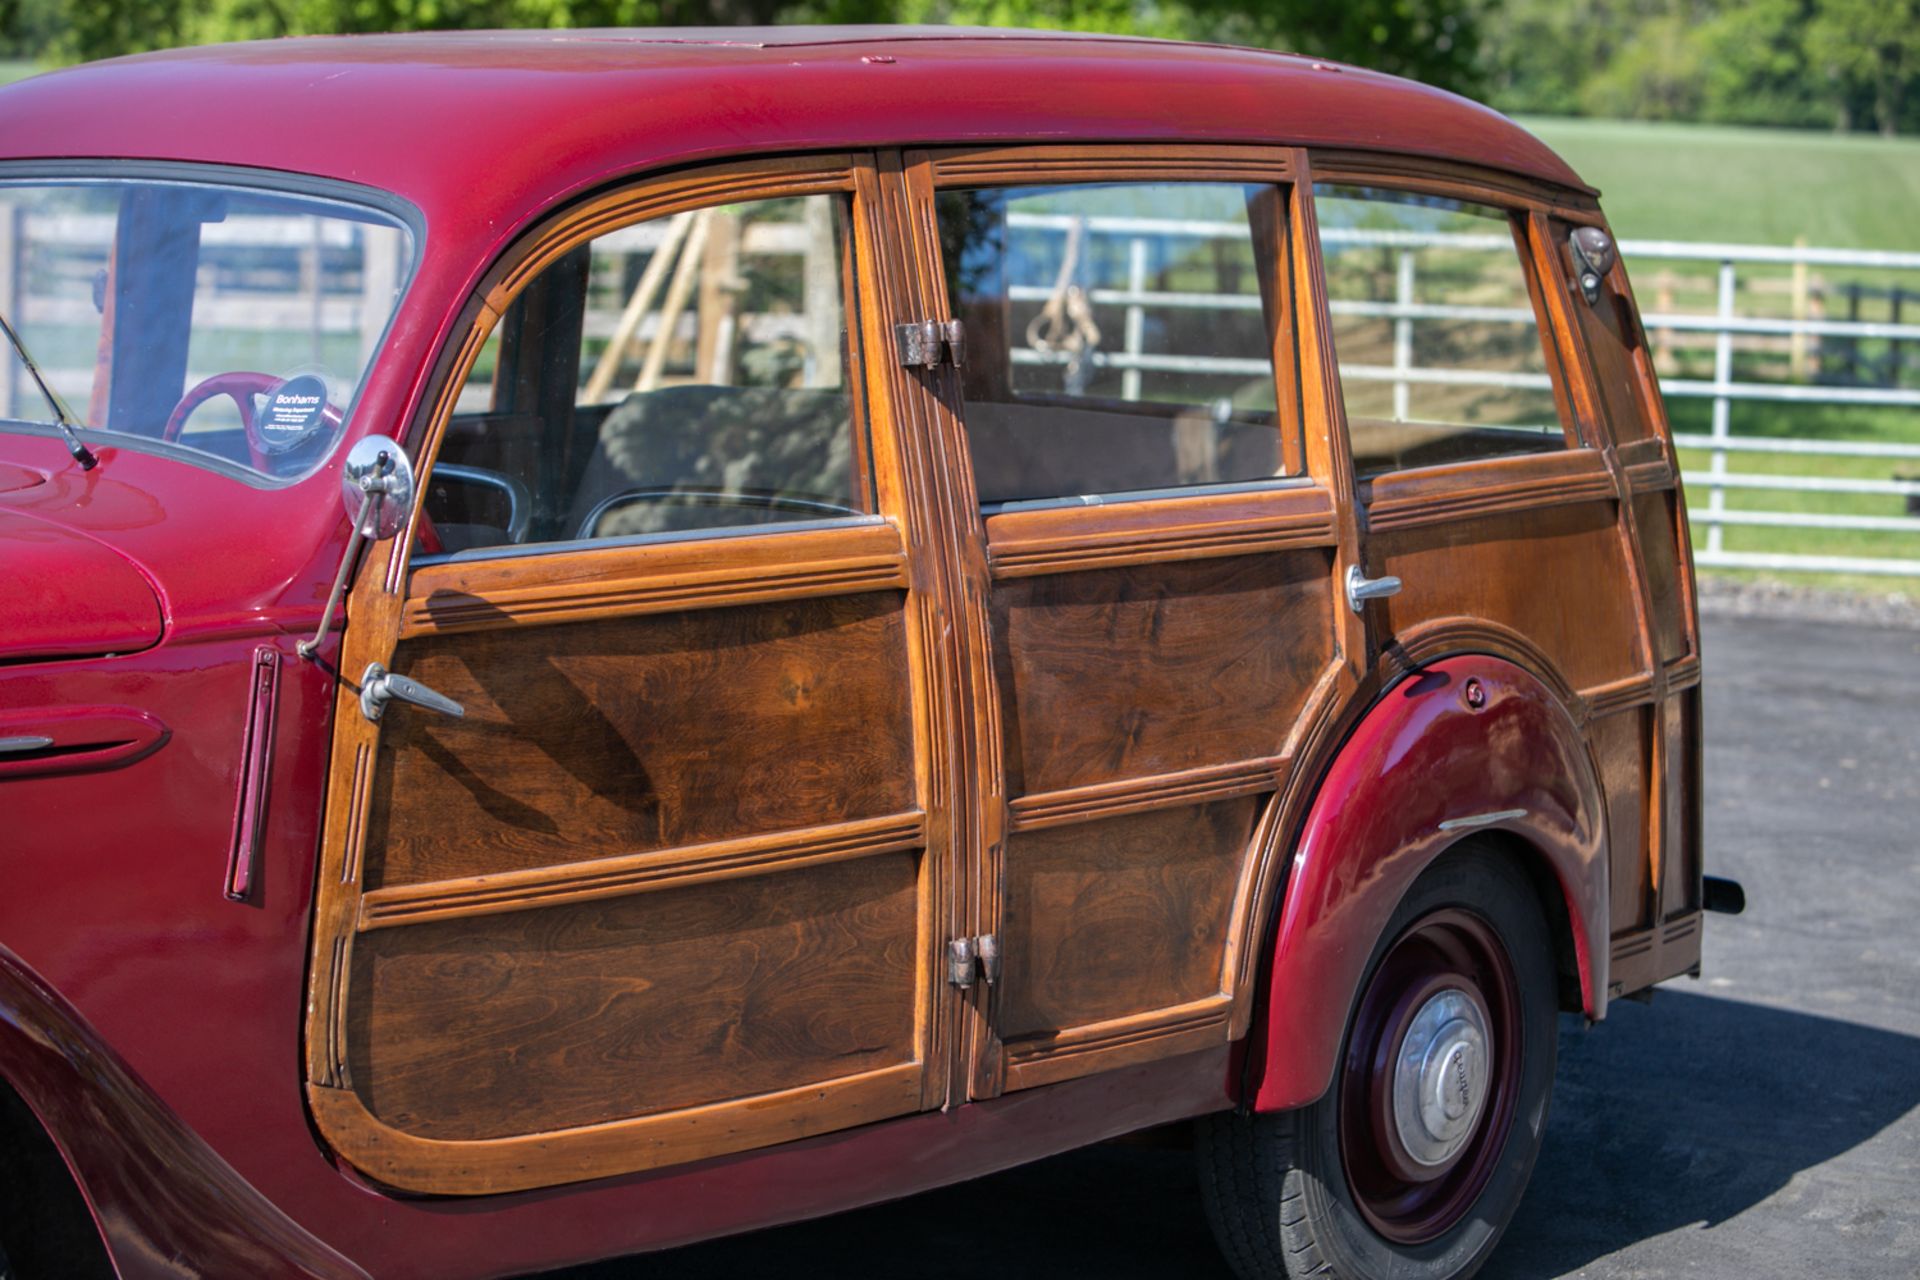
<point x="1447" y="960"/>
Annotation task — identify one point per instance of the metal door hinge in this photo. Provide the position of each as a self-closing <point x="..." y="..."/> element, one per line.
<point x="926" y="344"/>
<point x="968" y="957"/>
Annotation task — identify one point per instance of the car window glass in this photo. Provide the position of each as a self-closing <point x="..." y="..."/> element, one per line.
<point x="683" y="374"/>
<point x="1119" y="338"/>
<point x="1438" y="342"/>
<point x="223" y="325"/>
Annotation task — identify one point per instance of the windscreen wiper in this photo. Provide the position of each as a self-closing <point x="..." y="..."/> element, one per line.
<point x="62" y="416"/>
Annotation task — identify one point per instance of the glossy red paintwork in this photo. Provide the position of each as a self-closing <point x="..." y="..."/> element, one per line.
<point x="115" y="922"/>
<point x="1423" y="756"/>
<point x="71" y="596"/>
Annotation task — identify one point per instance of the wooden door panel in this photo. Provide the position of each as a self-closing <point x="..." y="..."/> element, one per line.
<point x="1659" y="528"/>
<point x="1622" y="747"/>
<point x="560" y="1017"/>
<point x="1150" y="669"/>
<point x="620" y="736"/>
<point x="1104" y="920"/>
<point x="1533" y="570"/>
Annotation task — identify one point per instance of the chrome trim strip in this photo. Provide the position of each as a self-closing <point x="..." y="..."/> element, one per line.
<point x="1482" y="819"/>
<point x="1278" y="483"/>
<point x="25" y="742"/>
<point x="771" y="529"/>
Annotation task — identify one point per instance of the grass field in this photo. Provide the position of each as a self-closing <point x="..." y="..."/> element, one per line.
<point x="1747" y="186"/>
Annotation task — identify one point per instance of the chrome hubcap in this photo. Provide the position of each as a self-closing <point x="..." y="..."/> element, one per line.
<point x="1440" y="1077"/>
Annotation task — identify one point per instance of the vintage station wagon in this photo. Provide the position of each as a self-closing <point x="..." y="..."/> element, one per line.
<point x="904" y="601"/>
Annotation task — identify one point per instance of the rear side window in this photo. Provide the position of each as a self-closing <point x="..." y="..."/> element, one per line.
<point x="1119" y="337"/>
<point x="683" y="374"/>
<point x="1439" y="344"/>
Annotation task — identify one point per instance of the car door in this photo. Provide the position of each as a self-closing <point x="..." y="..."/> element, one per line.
<point x="674" y="884"/>
<point x="1150" y="540"/>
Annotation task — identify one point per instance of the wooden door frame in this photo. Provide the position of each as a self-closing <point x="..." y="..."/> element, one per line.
<point x="1313" y="511"/>
<point x="390" y="601"/>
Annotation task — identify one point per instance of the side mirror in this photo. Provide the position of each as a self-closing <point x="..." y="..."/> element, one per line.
<point x="376" y="486"/>
<point x="1594" y="254"/>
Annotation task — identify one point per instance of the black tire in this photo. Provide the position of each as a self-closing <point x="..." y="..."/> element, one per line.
<point x="1279" y="1192"/>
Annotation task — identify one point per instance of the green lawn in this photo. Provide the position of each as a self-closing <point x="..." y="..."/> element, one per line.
<point x="1747" y="186"/>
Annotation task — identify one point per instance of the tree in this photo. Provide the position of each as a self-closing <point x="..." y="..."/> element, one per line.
<point x="1868" y="49"/>
<point x="1432" y="40"/>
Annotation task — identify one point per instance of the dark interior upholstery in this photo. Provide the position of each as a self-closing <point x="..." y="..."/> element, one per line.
<point x="1027" y="451"/>
<point x="731" y="454"/>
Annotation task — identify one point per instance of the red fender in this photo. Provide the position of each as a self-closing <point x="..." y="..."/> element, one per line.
<point x="166" y="1204"/>
<point x="1425" y="768"/>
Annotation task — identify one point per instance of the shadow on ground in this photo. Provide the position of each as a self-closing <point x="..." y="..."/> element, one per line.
<point x="1682" y="1114"/>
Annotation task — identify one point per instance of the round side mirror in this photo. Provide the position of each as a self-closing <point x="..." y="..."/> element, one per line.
<point x="376" y="486"/>
<point x="1593" y="255"/>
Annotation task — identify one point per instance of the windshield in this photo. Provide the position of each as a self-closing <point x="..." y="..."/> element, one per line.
<point x="229" y="325"/>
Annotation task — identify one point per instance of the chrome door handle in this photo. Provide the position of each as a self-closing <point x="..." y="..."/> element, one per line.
<point x="1361" y="588"/>
<point x="380" y="686"/>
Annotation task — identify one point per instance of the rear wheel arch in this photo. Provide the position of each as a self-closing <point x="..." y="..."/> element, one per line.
<point x="1420" y="771"/>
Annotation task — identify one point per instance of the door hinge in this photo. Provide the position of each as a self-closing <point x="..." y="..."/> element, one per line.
<point x="926" y="344"/>
<point x="971" y="957"/>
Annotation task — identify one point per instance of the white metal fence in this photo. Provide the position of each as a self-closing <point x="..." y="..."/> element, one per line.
<point x="1729" y="331"/>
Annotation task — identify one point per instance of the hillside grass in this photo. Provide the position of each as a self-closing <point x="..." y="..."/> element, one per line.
<point x="1743" y="185"/>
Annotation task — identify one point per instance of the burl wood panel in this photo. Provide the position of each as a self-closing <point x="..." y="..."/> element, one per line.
<point x="1129" y="672"/>
<point x="1659" y="547"/>
<point x="1620" y="747"/>
<point x="574" y="1015"/>
<point x="1555" y="575"/>
<point x="639" y="733"/>
<point x="1127" y="915"/>
<point x="1680" y="860"/>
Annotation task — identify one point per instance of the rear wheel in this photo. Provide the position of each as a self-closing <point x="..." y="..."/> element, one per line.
<point x="1413" y="1163"/>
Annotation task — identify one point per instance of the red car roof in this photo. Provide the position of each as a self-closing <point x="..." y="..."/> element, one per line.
<point x="497" y="124"/>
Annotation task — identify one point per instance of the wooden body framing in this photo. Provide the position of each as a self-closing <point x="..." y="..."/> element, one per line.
<point x="682" y="884"/>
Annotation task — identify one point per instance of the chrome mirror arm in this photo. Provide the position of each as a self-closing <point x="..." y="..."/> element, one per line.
<point x="308" y="648"/>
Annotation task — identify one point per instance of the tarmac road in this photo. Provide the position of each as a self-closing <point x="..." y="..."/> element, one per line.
<point x="1764" y="1121"/>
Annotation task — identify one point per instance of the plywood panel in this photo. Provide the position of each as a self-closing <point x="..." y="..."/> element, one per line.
<point x="575" y="1015"/>
<point x="1659" y="547"/>
<point x="1148" y="669"/>
<point x="1620" y="747"/>
<point x="616" y="737"/>
<point x="1680" y="860"/>
<point x="1126" y="915"/>
<point x="1555" y="575"/>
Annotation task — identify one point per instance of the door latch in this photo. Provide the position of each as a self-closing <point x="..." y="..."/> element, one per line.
<point x="380" y="686"/>
<point x="971" y="957"/>
<point x="926" y="344"/>
<point x="1361" y="588"/>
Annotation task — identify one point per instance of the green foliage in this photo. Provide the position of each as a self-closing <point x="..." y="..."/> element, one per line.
<point x="1433" y="40"/>
<point x="1787" y="62"/>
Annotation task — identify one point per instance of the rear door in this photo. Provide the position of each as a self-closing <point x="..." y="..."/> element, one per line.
<point x="1150" y="582"/>
<point x="676" y="884"/>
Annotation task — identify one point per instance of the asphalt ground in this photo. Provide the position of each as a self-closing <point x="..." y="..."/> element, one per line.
<point x="1763" y="1121"/>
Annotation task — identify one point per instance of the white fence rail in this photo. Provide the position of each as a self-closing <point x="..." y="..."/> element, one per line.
<point x="1708" y="489"/>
